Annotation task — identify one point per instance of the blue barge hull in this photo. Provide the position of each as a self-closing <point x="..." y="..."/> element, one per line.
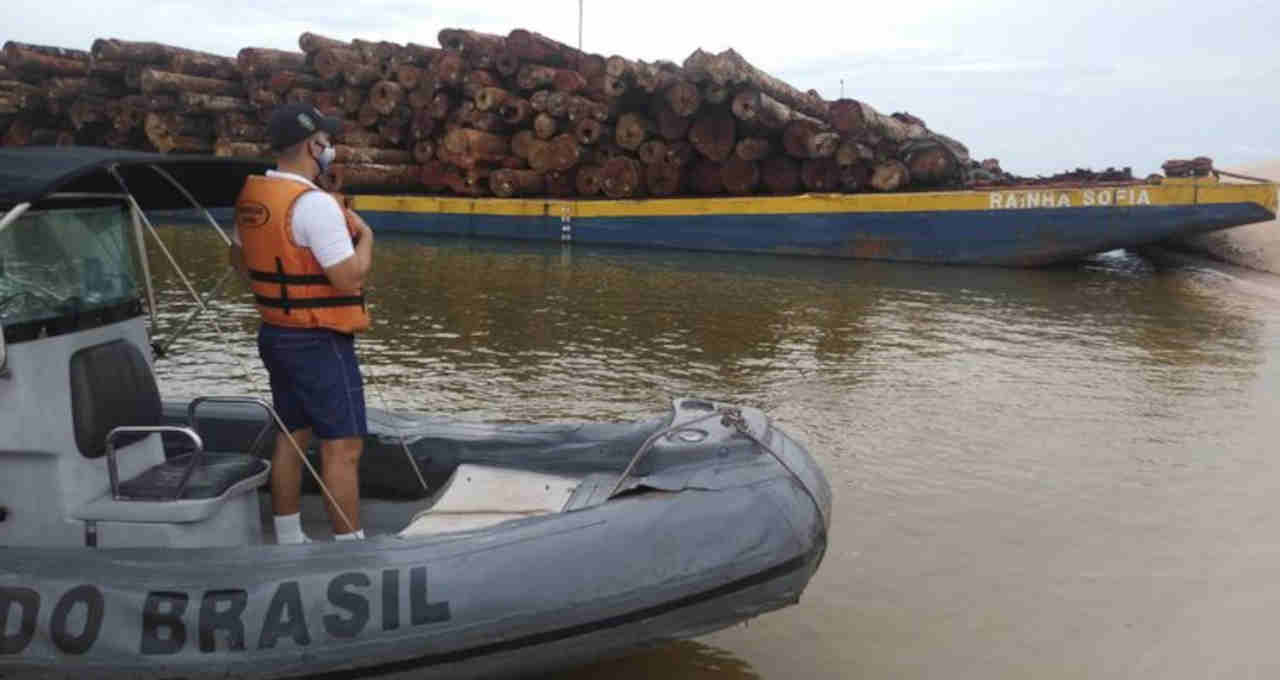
<point x="1021" y="227"/>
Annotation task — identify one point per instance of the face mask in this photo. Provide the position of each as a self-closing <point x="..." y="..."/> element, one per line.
<point x="325" y="158"/>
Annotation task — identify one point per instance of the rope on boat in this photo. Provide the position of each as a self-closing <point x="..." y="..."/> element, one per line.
<point x="730" y="416"/>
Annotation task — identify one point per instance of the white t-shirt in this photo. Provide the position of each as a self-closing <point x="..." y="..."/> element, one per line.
<point x="318" y="223"/>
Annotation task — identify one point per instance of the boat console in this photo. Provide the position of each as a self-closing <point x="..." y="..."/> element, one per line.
<point x="83" y="457"/>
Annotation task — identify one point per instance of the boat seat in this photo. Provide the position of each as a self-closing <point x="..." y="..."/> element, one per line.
<point x="478" y="496"/>
<point x="112" y="386"/>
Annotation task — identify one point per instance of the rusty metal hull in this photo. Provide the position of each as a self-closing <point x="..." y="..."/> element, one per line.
<point x="1021" y="228"/>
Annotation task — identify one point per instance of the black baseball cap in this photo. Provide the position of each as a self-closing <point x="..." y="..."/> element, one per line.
<point x="293" y="123"/>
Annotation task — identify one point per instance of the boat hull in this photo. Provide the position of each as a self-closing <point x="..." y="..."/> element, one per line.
<point x="692" y="549"/>
<point x="1031" y="227"/>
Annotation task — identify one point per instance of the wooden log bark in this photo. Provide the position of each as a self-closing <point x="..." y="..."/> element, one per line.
<point x="654" y="77"/>
<point x="421" y="125"/>
<point x="820" y="174"/>
<point x="354" y="177"/>
<point x="449" y="69"/>
<point x="385" y="96"/>
<point x="684" y="98"/>
<point x="522" y="143"/>
<point x="148" y="53"/>
<point x="367" y="116"/>
<point x="568" y="81"/>
<point x="729" y="68"/>
<point x="365" y="154"/>
<point x="652" y="151"/>
<point x="508" y="183"/>
<point x="330" y="62"/>
<point x="706" y="178"/>
<point x="535" y="77"/>
<point x="154" y="80"/>
<point x="424" y="150"/>
<point x="588" y="131"/>
<point x="50" y="50"/>
<point x="859" y="120"/>
<point x="803" y="139"/>
<point x="411" y="76"/>
<point x="621" y="178"/>
<point x="537" y="48"/>
<point x="755" y="106"/>
<point x="204" y="65"/>
<point x="238" y="126"/>
<point x="631" y="131"/>
<point x="562" y="183"/>
<point x="714" y="93"/>
<point x="478" y="79"/>
<point x="889" y="175"/>
<point x="480" y="49"/>
<point x="312" y="43"/>
<point x="420" y="99"/>
<point x="88" y="111"/>
<point x="441" y="104"/>
<point x="264" y="60"/>
<point x="714" y="135"/>
<point x="375" y="51"/>
<point x="579" y="108"/>
<point x="588" y="180"/>
<point x="668" y="124"/>
<point x="853" y="152"/>
<point x="557" y="103"/>
<point x="476" y="146"/>
<point x="561" y="153"/>
<point x="753" y="148"/>
<point x="663" y="179"/>
<point x="108" y="70"/>
<point x="490" y="98"/>
<point x="361" y="137"/>
<point x="234" y="148"/>
<point x="854" y="177"/>
<point x="931" y="163"/>
<point x="780" y="175"/>
<point x="29" y="62"/>
<point x="183" y="134"/>
<point x="283" y="81"/>
<point x="128" y="113"/>
<point x="361" y="74"/>
<point x="210" y="103"/>
<point x="740" y="177"/>
<point x="545" y="126"/>
<point x="515" y="110"/>
<point x="394" y="131"/>
<point x="681" y="153"/>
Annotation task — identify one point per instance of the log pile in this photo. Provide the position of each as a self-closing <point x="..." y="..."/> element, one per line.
<point x="482" y="114"/>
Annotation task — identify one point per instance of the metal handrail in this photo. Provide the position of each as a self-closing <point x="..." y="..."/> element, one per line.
<point x="275" y="417"/>
<point x="114" y="472"/>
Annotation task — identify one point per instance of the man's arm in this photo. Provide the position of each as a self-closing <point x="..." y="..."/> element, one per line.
<point x="350" y="274"/>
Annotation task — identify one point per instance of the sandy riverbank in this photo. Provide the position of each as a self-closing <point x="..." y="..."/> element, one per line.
<point x="1256" y="246"/>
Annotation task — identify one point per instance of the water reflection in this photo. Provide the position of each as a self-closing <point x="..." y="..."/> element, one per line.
<point x="686" y="659"/>
<point x="480" y="327"/>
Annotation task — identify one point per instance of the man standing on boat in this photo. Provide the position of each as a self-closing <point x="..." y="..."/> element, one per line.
<point x="307" y="259"/>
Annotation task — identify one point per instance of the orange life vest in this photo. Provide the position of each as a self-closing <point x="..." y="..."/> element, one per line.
<point x="288" y="283"/>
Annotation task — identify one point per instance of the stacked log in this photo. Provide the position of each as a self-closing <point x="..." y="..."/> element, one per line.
<point x="519" y="114"/>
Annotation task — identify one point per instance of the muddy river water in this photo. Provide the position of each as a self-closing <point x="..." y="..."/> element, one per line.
<point x="1062" y="473"/>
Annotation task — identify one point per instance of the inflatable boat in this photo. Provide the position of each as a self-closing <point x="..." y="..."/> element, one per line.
<point x="133" y="532"/>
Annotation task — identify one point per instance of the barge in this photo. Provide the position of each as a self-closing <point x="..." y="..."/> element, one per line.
<point x="1009" y="226"/>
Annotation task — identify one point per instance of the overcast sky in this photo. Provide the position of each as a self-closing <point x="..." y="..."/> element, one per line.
<point x="1042" y="86"/>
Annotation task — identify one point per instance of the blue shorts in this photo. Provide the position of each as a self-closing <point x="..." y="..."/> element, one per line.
<point x="315" y="380"/>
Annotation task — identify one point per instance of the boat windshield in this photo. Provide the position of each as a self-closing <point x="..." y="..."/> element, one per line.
<point x="62" y="262"/>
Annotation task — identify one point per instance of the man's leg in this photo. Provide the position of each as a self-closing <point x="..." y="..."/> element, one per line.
<point x="341" y="473"/>
<point x="286" y="473"/>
